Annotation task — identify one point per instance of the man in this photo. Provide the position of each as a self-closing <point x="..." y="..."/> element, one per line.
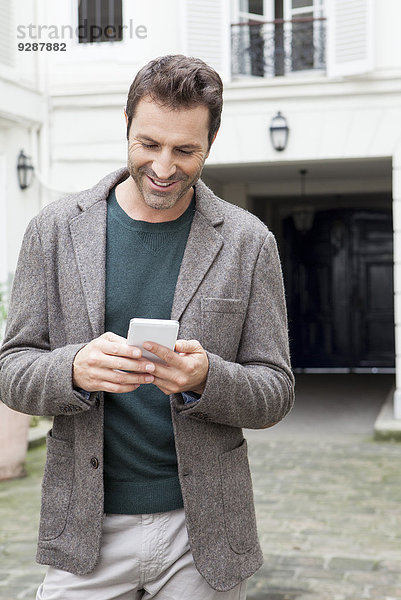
<point x="147" y="491"/>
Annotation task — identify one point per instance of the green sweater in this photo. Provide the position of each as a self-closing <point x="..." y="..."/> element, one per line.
<point x="142" y="265"/>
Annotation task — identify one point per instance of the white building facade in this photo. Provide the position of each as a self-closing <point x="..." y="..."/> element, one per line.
<point x="332" y="68"/>
<point x="22" y="116"/>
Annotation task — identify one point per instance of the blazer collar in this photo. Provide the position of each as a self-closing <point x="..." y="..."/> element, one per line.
<point x="101" y="190"/>
<point x="206" y="204"/>
<point x="203" y="245"/>
<point x="88" y="232"/>
<point x="205" y="198"/>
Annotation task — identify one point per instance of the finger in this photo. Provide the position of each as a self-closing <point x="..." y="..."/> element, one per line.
<point x="120" y="363"/>
<point x="118" y="347"/>
<point x="113" y="337"/>
<point x="100" y="376"/>
<point x="163" y="386"/>
<point x="188" y="346"/>
<point x="169" y="356"/>
<point x="171" y="383"/>
<point x="114" y="388"/>
<point x="98" y="357"/>
<point x="123" y="378"/>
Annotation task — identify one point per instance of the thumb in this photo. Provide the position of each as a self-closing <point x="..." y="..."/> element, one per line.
<point x="188" y="346"/>
<point x="113" y="337"/>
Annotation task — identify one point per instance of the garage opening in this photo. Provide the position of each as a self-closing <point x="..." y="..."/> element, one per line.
<point x="338" y="272"/>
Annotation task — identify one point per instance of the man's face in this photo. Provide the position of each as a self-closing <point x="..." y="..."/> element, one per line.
<point x="166" y="153"/>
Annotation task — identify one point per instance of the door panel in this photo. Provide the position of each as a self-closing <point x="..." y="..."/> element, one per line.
<point x="372" y="243"/>
<point x="339" y="284"/>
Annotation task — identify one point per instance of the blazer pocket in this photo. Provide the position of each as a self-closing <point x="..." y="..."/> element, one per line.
<point x="56" y="488"/>
<point x="222" y="322"/>
<point x="238" y="502"/>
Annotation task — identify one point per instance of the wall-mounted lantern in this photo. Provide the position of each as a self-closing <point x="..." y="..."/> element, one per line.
<point x="25" y="170"/>
<point x="279" y="131"/>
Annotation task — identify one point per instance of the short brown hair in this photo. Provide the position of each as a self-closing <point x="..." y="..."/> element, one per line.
<point x="177" y="81"/>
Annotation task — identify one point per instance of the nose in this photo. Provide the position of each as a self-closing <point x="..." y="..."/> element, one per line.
<point x="163" y="165"/>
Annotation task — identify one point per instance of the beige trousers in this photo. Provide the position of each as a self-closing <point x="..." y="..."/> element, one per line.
<point x="142" y="557"/>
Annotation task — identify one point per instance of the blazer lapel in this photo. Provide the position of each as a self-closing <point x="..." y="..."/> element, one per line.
<point x="88" y="232"/>
<point x="203" y="245"/>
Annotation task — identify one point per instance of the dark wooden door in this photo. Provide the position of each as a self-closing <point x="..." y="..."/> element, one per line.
<point x="339" y="285"/>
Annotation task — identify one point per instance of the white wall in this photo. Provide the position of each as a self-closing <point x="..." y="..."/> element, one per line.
<point x="87" y="139"/>
<point x="106" y="67"/>
<point x="327" y="120"/>
<point x="387" y="42"/>
<point x="88" y="86"/>
<point x="21" y="205"/>
<point x="22" y="67"/>
<point x="3" y="218"/>
<point x="22" y="114"/>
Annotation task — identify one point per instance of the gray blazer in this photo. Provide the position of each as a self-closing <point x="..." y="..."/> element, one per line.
<point x="229" y="296"/>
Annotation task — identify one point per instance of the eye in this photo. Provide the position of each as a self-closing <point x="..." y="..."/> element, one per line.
<point x="148" y="146"/>
<point x="187" y="152"/>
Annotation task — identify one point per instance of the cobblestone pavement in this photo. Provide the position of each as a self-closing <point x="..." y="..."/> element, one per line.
<point x="329" y="515"/>
<point x="20" y="576"/>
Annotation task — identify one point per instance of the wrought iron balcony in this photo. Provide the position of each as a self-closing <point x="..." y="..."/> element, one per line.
<point x="274" y="48"/>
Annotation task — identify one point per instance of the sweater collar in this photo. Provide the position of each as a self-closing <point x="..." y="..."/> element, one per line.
<point x="205" y="198"/>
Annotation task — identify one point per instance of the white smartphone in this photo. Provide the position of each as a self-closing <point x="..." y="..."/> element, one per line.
<point x="161" y="331"/>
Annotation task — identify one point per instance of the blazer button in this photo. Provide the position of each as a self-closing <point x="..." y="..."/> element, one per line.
<point x="94" y="462"/>
<point x="97" y="402"/>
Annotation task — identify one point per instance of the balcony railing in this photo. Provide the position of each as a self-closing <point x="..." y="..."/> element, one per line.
<point x="275" y="48"/>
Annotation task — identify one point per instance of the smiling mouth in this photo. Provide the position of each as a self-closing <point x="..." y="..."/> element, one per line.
<point x="161" y="184"/>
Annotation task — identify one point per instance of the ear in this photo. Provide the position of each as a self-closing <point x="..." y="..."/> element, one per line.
<point x="211" y="143"/>
<point x="214" y="137"/>
<point x="126" y="117"/>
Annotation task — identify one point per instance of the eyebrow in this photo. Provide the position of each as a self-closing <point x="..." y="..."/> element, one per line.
<point x="152" y="141"/>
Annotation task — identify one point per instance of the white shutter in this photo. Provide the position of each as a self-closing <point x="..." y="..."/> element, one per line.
<point x="207" y="33"/>
<point x="7" y="34"/>
<point x="349" y="37"/>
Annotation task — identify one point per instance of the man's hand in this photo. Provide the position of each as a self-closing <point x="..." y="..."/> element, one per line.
<point x="185" y="370"/>
<point x="100" y="366"/>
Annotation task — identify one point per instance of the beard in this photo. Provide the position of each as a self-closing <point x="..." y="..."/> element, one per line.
<point x="161" y="199"/>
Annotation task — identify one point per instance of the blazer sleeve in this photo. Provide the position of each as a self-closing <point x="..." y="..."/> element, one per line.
<point x="257" y="390"/>
<point x="34" y="378"/>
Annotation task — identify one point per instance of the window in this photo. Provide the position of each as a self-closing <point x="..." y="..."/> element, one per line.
<point x="100" y="21"/>
<point x="277" y="37"/>
<point x="308" y="34"/>
<point x="254" y="7"/>
<point x="248" y="39"/>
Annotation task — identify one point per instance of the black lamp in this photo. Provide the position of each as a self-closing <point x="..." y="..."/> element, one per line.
<point x="25" y="170"/>
<point x="279" y="132"/>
